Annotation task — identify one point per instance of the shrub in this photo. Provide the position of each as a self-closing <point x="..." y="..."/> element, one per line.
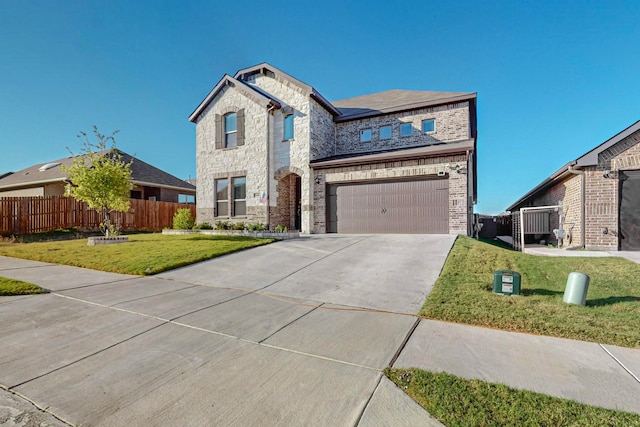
<point x="203" y="226"/>
<point x="238" y="226"/>
<point x="182" y="220"/>
<point x="223" y="225"/>
<point x="281" y="229"/>
<point x="255" y="226"/>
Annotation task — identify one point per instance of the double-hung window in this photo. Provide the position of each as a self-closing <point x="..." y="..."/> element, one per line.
<point x="239" y="196"/>
<point x="230" y="130"/>
<point x="231" y="200"/>
<point x="222" y="197"/>
<point x="288" y="127"/>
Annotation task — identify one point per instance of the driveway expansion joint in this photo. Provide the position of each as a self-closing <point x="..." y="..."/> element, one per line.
<point x="34" y="404"/>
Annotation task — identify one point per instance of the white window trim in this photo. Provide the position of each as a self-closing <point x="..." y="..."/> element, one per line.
<point x="390" y="133"/>
<point x="410" y="134"/>
<point x="370" y="135"/>
<point x="434" y="126"/>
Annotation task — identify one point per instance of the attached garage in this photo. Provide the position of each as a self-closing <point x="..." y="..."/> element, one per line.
<point x="398" y="206"/>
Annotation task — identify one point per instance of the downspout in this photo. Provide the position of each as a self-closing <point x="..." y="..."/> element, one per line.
<point x="267" y="200"/>
<point x="582" y="203"/>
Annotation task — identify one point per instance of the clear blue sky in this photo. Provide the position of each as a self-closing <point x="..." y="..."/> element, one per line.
<point x="554" y="78"/>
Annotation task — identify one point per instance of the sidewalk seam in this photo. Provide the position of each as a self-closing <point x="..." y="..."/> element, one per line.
<point x="366" y="405"/>
<point x="620" y="363"/>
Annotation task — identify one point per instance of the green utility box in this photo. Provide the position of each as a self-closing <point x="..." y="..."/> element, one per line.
<point x="506" y="282"/>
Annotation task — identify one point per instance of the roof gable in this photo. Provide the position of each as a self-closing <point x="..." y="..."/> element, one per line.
<point x="258" y="96"/>
<point x="270" y="70"/>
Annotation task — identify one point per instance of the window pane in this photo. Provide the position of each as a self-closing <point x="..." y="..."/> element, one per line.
<point x="428" y="126"/>
<point x="406" y="129"/>
<point x="221" y="189"/>
<point x="365" y="135"/>
<point x="288" y="126"/>
<point x="240" y="188"/>
<point x="385" y="132"/>
<point x="240" y="208"/>
<point x="231" y="140"/>
<point x="222" y="208"/>
<point x="230" y="123"/>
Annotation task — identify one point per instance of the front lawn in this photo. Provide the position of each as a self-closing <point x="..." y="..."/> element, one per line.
<point x="463" y="294"/>
<point x="460" y="402"/>
<point x="17" y="287"/>
<point x="144" y="253"/>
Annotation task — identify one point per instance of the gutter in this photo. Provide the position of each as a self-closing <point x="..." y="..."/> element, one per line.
<point x="583" y="233"/>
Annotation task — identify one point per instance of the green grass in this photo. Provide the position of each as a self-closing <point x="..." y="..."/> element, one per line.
<point x="144" y="254"/>
<point x="16" y="287"/>
<point x="459" y="402"/>
<point x="463" y="294"/>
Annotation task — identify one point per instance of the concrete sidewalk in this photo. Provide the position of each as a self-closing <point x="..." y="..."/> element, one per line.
<point x="590" y="373"/>
<point x="294" y="333"/>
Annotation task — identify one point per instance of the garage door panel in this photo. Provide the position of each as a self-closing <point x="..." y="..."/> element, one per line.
<point x="419" y="206"/>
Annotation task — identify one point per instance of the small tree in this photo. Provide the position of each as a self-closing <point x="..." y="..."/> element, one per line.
<point x="100" y="177"/>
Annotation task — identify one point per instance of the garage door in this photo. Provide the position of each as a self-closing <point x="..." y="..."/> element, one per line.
<point x="629" y="211"/>
<point x="417" y="206"/>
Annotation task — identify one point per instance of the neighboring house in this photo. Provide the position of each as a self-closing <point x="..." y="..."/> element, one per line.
<point x="48" y="179"/>
<point x="600" y="195"/>
<point x="272" y="149"/>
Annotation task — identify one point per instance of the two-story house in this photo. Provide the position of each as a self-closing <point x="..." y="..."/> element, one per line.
<point x="272" y="149"/>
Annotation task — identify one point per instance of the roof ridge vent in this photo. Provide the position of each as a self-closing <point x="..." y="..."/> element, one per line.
<point x="48" y="166"/>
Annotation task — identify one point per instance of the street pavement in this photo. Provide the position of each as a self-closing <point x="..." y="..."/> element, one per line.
<point x="231" y="341"/>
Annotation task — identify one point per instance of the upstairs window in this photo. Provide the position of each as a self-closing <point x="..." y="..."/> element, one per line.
<point x="406" y="129"/>
<point x="230" y="130"/>
<point x="365" y="135"/>
<point x="385" y="132"/>
<point x="288" y="126"/>
<point x="428" y="126"/>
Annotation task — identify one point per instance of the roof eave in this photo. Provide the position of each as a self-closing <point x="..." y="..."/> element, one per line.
<point x="407" y="154"/>
<point x="560" y="174"/>
<point x="406" y="107"/>
<point x="155" y="184"/>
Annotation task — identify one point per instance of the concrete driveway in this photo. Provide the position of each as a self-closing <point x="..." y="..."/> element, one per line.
<point x="293" y="333"/>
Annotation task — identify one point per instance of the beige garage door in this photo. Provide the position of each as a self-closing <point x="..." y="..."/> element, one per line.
<point x="417" y="206"/>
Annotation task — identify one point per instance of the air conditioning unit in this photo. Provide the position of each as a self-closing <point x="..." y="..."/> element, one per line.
<point x="152" y="198"/>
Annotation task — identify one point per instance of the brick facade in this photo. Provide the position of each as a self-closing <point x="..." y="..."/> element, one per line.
<point x="601" y="197"/>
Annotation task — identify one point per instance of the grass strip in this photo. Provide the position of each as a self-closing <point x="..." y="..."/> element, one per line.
<point x="460" y="402"/>
<point x="17" y="287"/>
<point x="464" y="294"/>
<point x="144" y="254"/>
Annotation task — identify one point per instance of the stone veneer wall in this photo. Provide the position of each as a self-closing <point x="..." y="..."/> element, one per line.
<point x="248" y="160"/>
<point x="292" y="155"/>
<point x="451" y="124"/>
<point x="458" y="197"/>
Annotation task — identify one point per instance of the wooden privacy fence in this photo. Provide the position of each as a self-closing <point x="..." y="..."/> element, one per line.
<point x="27" y="215"/>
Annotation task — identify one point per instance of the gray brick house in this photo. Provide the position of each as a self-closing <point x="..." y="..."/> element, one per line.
<point x="600" y="195"/>
<point x="272" y="149"/>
